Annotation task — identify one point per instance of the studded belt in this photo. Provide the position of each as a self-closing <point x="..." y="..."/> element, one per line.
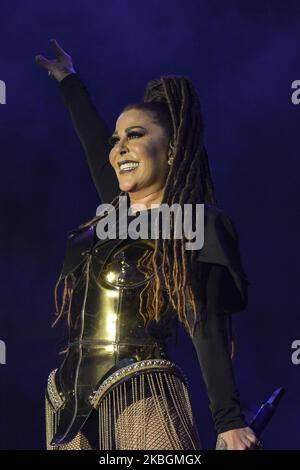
<point x="131" y="370"/>
<point x="56" y="399"/>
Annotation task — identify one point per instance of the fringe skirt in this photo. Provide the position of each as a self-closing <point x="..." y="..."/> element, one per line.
<point x="142" y="406"/>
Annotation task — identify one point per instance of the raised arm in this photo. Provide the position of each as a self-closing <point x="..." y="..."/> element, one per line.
<point x="89" y="126"/>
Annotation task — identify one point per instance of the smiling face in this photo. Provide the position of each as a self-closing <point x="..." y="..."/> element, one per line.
<point x="143" y="144"/>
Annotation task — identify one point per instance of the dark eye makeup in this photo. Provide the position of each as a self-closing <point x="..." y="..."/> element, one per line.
<point x="113" y="139"/>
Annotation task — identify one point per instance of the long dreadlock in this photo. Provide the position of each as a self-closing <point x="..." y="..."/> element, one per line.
<point x="174" y="104"/>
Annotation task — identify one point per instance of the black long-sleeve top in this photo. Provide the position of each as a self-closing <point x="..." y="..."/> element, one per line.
<point x="224" y="286"/>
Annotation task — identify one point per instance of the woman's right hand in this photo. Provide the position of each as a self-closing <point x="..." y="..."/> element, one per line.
<point x="60" y="67"/>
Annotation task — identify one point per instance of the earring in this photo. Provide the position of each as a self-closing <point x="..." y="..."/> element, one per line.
<point x="170" y="160"/>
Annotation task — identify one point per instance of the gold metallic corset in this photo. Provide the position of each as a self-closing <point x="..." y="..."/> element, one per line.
<point x="106" y="328"/>
<point x="106" y="299"/>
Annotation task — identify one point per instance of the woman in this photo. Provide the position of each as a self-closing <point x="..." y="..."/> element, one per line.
<point x="123" y="297"/>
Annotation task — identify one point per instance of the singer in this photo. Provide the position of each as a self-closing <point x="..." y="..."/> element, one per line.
<point x="118" y="387"/>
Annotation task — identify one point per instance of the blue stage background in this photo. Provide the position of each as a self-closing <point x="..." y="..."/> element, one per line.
<point x="242" y="58"/>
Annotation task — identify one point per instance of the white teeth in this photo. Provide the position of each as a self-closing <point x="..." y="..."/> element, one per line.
<point x="129" y="165"/>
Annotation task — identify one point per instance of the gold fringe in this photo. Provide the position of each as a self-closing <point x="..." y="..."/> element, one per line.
<point x="163" y="420"/>
<point x="149" y="411"/>
<point x="52" y="418"/>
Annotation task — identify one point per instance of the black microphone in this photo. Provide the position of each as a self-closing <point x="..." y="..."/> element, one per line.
<point x="266" y="412"/>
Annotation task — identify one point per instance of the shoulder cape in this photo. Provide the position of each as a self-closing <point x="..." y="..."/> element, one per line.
<point x="221" y="247"/>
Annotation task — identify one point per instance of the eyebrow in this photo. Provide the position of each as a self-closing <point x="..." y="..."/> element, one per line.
<point x="129" y="129"/>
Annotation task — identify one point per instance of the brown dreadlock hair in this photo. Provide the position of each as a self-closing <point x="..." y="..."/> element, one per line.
<point x="173" y="103"/>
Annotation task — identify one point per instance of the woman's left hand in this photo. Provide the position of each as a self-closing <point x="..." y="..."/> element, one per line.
<point x="238" y="439"/>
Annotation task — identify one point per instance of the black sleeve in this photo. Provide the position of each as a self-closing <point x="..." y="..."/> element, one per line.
<point x="90" y="128"/>
<point x="211" y="344"/>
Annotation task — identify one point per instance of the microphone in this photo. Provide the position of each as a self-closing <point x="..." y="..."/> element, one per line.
<point x="266" y="412"/>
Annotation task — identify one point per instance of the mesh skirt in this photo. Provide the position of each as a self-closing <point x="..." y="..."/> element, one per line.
<point x="144" y="406"/>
